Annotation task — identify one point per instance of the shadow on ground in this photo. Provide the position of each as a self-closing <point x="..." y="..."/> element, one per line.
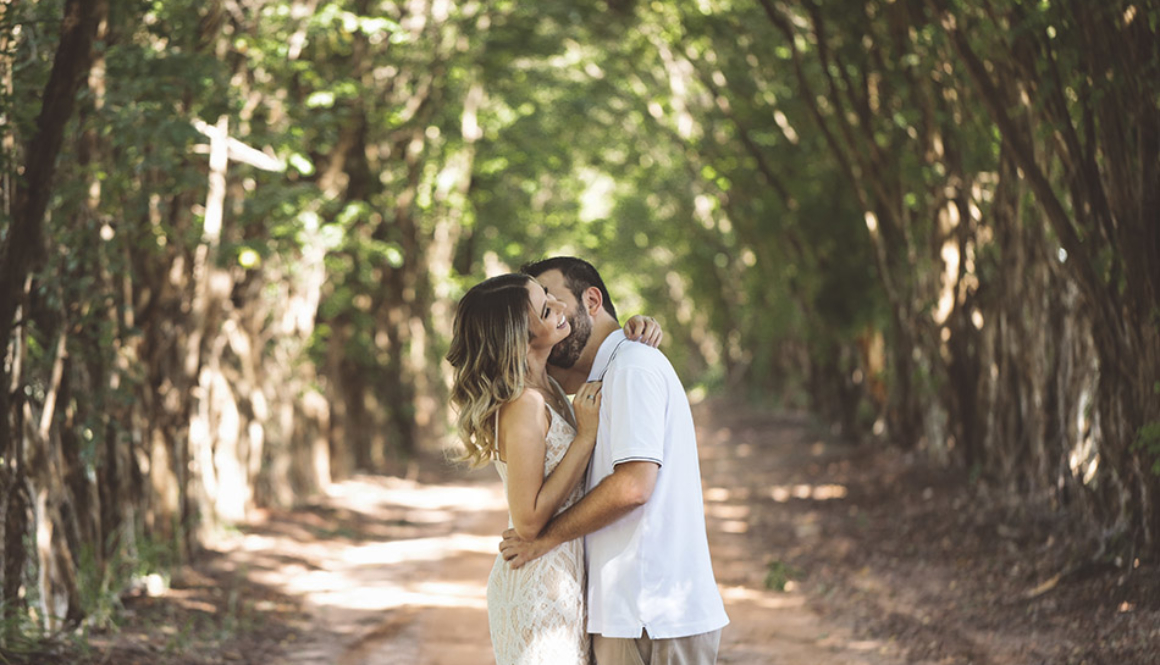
<point x="825" y="553"/>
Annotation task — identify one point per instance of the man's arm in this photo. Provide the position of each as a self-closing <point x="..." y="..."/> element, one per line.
<point x="628" y="487"/>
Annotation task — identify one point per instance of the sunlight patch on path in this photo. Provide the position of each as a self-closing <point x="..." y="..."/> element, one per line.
<point x="419" y="549"/>
<point x="326" y="591"/>
<point x="740" y="594"/>
<point x="368" y="492"/>
<point x="377" y="561"/>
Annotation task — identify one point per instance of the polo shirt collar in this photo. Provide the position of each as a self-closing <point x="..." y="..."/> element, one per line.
<point x="604" y="353"/>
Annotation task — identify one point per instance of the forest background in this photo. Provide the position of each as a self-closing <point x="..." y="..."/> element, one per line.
<point x="233" y="233"/>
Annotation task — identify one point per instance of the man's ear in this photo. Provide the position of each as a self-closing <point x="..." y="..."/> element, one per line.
<point x="593" y="300"/>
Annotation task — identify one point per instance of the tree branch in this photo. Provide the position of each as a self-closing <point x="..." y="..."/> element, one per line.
<point x="24" y="250"/>
<point x="1024" y="155"/>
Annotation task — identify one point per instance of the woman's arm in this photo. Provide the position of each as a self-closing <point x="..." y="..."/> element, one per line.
<point x="532" y="498"/>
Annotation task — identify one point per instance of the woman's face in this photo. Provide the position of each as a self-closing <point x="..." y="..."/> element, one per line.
<point x="546" y="321"/>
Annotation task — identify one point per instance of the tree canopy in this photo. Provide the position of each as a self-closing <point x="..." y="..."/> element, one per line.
<point x="233" y="233"/>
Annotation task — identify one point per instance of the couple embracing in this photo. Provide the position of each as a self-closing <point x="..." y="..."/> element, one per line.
<point x="604" y="493"/>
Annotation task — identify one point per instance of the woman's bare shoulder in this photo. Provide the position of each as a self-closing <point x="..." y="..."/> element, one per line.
<point x="528" y="406"/>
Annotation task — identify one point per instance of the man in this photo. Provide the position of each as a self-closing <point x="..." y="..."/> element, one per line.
<point x="652" y="597"/>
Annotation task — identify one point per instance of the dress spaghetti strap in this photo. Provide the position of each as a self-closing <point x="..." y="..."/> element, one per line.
<point x="495" y="448"/>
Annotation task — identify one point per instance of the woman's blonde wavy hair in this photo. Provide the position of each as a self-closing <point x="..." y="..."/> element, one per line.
<point x="489" y="351"/>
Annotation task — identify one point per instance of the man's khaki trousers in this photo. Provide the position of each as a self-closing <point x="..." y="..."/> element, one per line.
<point x="692" y="650"/>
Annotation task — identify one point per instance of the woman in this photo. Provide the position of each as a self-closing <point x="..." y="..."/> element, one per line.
<point x="513" y="414"/>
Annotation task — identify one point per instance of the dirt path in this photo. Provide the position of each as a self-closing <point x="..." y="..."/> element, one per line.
<point x="749" y="476"/>
<point x="883" y="558"/>
<point x="394" y="571"/>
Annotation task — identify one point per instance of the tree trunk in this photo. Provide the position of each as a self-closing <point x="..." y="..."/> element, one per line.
<point x="24" y="251"/>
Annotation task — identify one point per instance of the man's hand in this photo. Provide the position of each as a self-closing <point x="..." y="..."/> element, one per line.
<point x="517" y="551"/>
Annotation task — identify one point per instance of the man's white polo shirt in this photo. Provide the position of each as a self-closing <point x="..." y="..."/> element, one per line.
<point x="650" y="569"/>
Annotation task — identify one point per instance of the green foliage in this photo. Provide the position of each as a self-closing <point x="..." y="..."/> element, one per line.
<point x="20" y="633"/>
<point x="136" y="564"/>
<point x="779" y="574"/>
<point x="776" y="234"/>
<point x="592" y="157"/>
<point x="1148" y="442"/>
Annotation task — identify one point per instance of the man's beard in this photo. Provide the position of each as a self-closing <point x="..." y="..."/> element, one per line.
<point x="567" y="351"/>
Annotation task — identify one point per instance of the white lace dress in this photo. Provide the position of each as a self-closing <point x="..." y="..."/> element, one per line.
<point x="537" y="613"/>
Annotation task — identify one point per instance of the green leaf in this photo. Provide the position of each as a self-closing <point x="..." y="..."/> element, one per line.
<point x="301" y="163"/>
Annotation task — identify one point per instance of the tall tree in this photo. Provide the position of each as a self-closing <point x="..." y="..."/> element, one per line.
<point x="22" y="252"/>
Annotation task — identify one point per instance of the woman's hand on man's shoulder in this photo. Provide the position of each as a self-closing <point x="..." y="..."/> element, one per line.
<point x="644" y="329"/>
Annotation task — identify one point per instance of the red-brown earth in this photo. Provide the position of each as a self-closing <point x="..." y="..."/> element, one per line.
<point x="826" y="553"/>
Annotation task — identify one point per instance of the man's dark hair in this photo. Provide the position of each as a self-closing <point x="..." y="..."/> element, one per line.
<point x="578" y="275"/>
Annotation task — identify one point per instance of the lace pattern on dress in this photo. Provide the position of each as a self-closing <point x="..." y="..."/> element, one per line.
<point x="537" y="614"/>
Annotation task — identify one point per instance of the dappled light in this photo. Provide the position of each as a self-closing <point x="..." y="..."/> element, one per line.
<point x="904" y="254"/>
<point x="738" y="595"/>
<point x="783" y="493"/>
<point x="424" y="549"/>
<point x="717" y="494"/>
<point x="385" y="549"/>
<point x="393" y="493"/>
<point x="730" y="512"/>
<point x="350" y="593"/>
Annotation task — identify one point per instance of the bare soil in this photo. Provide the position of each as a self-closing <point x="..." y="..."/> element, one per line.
<point x="826" y="554"/>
